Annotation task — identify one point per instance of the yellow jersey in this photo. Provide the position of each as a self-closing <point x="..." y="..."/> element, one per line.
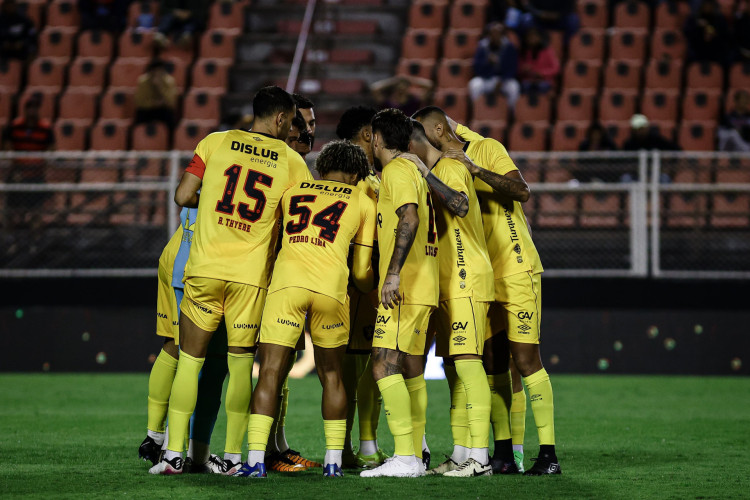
<point x="166" y="260"/>
<point x="509" y="242"/>
<point x="370" y="185"/>
<point x="321" y="218"/>
<point x="465" y="268"/>
<point x="403" y="184"/>
<point x="244" y="177"/>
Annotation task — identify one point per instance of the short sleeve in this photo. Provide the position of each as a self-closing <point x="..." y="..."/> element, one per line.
<point x="197" y="165"/>
<point x="452" y="173"/>
<point x="495" y="157"/>
<point x="467" y="134"/>
<point x="402" y="184"/>
<point x="297" y="168"/>
<point x="366" y="233"/>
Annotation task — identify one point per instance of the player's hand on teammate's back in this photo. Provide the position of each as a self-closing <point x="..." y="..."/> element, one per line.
<point x="417" y="161"/>
<point x="457" y="154"/>
<point x="389" y="295"/>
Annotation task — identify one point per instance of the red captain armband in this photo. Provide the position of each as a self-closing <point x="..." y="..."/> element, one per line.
<point x="196" y="167"/>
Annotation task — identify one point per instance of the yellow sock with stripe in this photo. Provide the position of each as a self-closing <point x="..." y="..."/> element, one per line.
<point x="478" y="402"/>
<point x="542" y="405"/>
<point x="518" y="419"/>
<point x="501" y="392"/>
<point x="417" y="388"/>
<point x="159" y="388"/>
<point x="182" y="400"/>
<point x="459" y="417"/>
<point x="368" y="406"/>
<point x="239" y="391"/>
<point x="398" y="413"/>
<point x="258" y="430"/>
<point x="335" y="432"/>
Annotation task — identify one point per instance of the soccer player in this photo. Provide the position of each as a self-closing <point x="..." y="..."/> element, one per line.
<point x="408" y="291"/>
<point x="241" y="176"/>
<point x="362" y="392"/>
<point x="321" y="219"/>
<point x="517" y="271"/>
<point x="466" y="290"/>
<point x="299" y="139"/>
<point x="306" y="108"/>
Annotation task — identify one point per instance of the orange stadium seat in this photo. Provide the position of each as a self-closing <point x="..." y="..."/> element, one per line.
<point x="568" y="135"/>
<point x="125" y="72"/>
<point x="34" y="10"/>
<point x="423" y="68"/>
<point x="117" y="104"/>
<point x="534" y="108"/>
<point x="460" y="43"/>
<point x="178" y="69"/>
<point x="210" y="73"/>
<point x="705" y="75"/>
<point x="623" y="74"/>
<point x="618" y="131"/>
<point x="454" y="73"/>
<point x="351" y="56"/>
<point x="697" y="136"/>
<point x="150" y="136"/>
<point x="632" y="14"/>
<point x="63" y="13"/>
<point x="671" y="15"/>
<point x="576" y="105"/>
<point x="5" y="107"/>
<point x="343" y="86"/>
<point x="490" y="128"/>
<point x="627" y="44"/>
<point x="56" y="42"/>
<point x="10" y="75"/>
<point x="202" y="105"/>
<point x="582" y="74"/>
<point x="557" y="43"/>
<point x="226" y="15"/>
<point x="557" y="171"/>
<point x="87" y="72"/>
<point x="556" y="210"/>
<point x="617" y="104"/>
<point x="77" y="103"/>
<point x="588" y="43"/>
<point x="701" y="105"/>
<point x="46" y="72"/>
<point x="109" y="135"/>
<point x="730" y="210"/>
<point x="664" y="75"/>
<point x="218" y="44"/>
<point x="467" y="14"/>
<point x="420" y="44"/>
<point x="660" y="105"/>
<point x="593" y="13"/>
<point x="454" y="102"/>
<point x="685" y="210"/>
<point x="739" y="75"/>
<point x="529" y="136"/>
<point x="600" y="210"/>
<point x="188" y="134"/>
<point x="95" y="43"/>
<point x="357" y="27"/>
<point x="490" y="108"/>
<point x="70" y="135"/>
<point x="136" y="43"/>
<point x="47" y="96"/>
<point x="667" y="128"/>
<point x="139" y="7"/>
<point x="428" y="14"/>
<point x="668" y="42"/>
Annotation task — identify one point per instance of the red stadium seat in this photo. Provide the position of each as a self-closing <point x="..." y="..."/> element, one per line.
<point x="218" y="44"/>
<point x="490" y="128"/>
<point x="557" y="43"/>
<point x="47" y="96"/>
<point x="420" y="44"/>
<point x="188" y="134"/>
<point x="593" y="14"/>
<point x="556" y="171"/>
<point x="95" y="43"/>
<point x="63" y="13"/>
<point x="202" y="105"/>
<point x="730" y="211"/>
<point x="87" y="72"/>
<point x="685" y="210"/>
<point x="357" y="27"/>
<point x="150" y="136"/>
<point x="600" y="210"/>
<point x="734" y="171"/>
<point x="34" y="9"/>
<point x="568" y="135"/>
<point x="529" y="136"/>
<point x="701" y="105"/>
<point x="78" y="104"/>
<point x="697" y="136"/>
<point x="226" y="15"/>
<point x="428" y="14"/>
<point x="56" y="42"/>
<point x="671" y="15"/>
<point x="10" y="75"/>
<point x="460" y="43"/>
<point x="588" y="43"/>
<point x="576" y="105"/>
<point x="632" y="14"/>
<point x="454" y="102"/>
<point x="669" y="42"/>
<point x="491" y="109"/>
<point x="739" y="75"/>
<point x="343" y="86"/>
<point x="556" y="210"/>
<point x="70" y="135"/>
<point x="136" y="43"/>
<point x="125" y="72"/>
<point x="533" y="108"/>
<point x="142" y="7"/>
<point x="351" y="56"/>
<point x="178" y="69"/>
<point x="582" y="74"/>
<point x="627" y="44"/>
<point x="209" y="73"/>
<point x="705" y="75"/>
<point x="423" y="68"/>
<point x="454" y="73"/>
<point x="664" y="75"/>
<point x="117" y="104"/>
<point x="467" y="14"/>
<point x="623" y="74"/>
<point x="5" y="107"/>
<point x="109" y="135"/>
<point x="666" y="128"/>
<point x="660" y="105"/>
<point x="617" y="104"/>
<point x="47" y="72"/>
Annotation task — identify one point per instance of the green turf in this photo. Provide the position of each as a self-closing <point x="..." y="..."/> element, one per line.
<point x="618" y="437"/>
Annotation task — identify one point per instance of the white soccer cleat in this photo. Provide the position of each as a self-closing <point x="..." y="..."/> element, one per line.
<point x="230" y="468"/>
<point x="441" y="469"/>
<point x="396" y="466"/>
<point x="470" y="468"/>
<point x="167" y="467"/>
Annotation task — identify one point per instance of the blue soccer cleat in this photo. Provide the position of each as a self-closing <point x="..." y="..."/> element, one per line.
<point x="257" y="470"/>
<point x="332" y="470"/>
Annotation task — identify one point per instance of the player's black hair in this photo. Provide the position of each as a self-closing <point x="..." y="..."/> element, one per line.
<point x="395" y="127"/>
<point x="428" y="111"/>
<point x="302" y="102"/>
<point x="353" y="120"/>
<point x="419" y="133"/>
<point x="269" y="101"/>
<point x="342" y="156"/>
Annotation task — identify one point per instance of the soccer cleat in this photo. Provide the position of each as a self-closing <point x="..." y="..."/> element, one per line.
<point x="441" y="469"/>
<point x="332" y="470"/>
<point x="351" y="460"/>
<point x="229" y="467"/>
<point x="295" y="457"/>
<point x="470" y="468"/>
<point x="372" y="461"/>
<point x="282" y="463"/>
<point x="257" y="470"/>
<point x="167" y="467"/>
<point x="518" y="455"/>
<point x="396" y="467"/>
<point x="214" y="465"/>
<point x="500" y="466"/>
<point x="426" y="459"/>
<point x="544" y="465"/>
<point x="149" y="451"/>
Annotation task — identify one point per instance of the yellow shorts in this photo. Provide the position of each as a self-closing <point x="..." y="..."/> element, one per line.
<point x="167" y="314"/>
<point x="208" y="300"/>
<point x="403" y="328"/>
<point x="518" y="305"/>
<point x="363" y="310"/>
<point x="284" y="318"/>
<point x="461" y="327"/>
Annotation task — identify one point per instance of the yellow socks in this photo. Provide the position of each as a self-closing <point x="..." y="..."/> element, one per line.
<point x="159" y="389"/>
<point x="501" y="392"/>
<point x="368" y="405"/>
<point x="239" y="391"/>
<point x="518" y="418"/>
<point x="182" y="400"/>
<point x="471" y="373"/>
<point x="417" y="388"/>
<point x="258" y="429"/>
<point x="542" y="405"/>
<point x="459" y="417"/>
<point x="398" y="413"/>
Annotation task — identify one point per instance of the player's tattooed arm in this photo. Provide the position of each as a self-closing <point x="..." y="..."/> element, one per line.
<point x="455" y="201"/>
<point x="406" y="230"/>
<point x="386" y="362"/>
<point x="186" y="194"/>
<point x="511" y="185"/>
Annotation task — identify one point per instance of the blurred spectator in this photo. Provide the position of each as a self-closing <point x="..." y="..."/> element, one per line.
<point x="146" y="19"/>
<point x="17" y="33"/>
<point x="181" y="20"/>
<point x="109" y="15"/>
<point x="156" y="95"/>
<point x="556" y="15"/>
<point x="597" y="139"/>
<point x="495" y="66"/>
<point x="734" y="133"/>
<point x="643" y="137"/>
<point x="708" y="35"/>
<point x="396" y="92"/>
<point x="538" y="66"/>
<point x="742" y="30"/>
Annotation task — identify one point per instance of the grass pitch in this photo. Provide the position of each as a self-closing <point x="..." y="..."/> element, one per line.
<point x="618" y="437"/>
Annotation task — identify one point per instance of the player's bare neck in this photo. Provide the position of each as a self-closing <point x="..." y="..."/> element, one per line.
<point x="264" y="127"/>
<point x="452" y="142"/>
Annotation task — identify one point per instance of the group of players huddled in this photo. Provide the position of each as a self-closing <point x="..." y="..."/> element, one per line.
<point x="415" y="231"/>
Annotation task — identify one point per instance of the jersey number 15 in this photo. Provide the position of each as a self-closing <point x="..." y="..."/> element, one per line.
<point x="226" y="206"/>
